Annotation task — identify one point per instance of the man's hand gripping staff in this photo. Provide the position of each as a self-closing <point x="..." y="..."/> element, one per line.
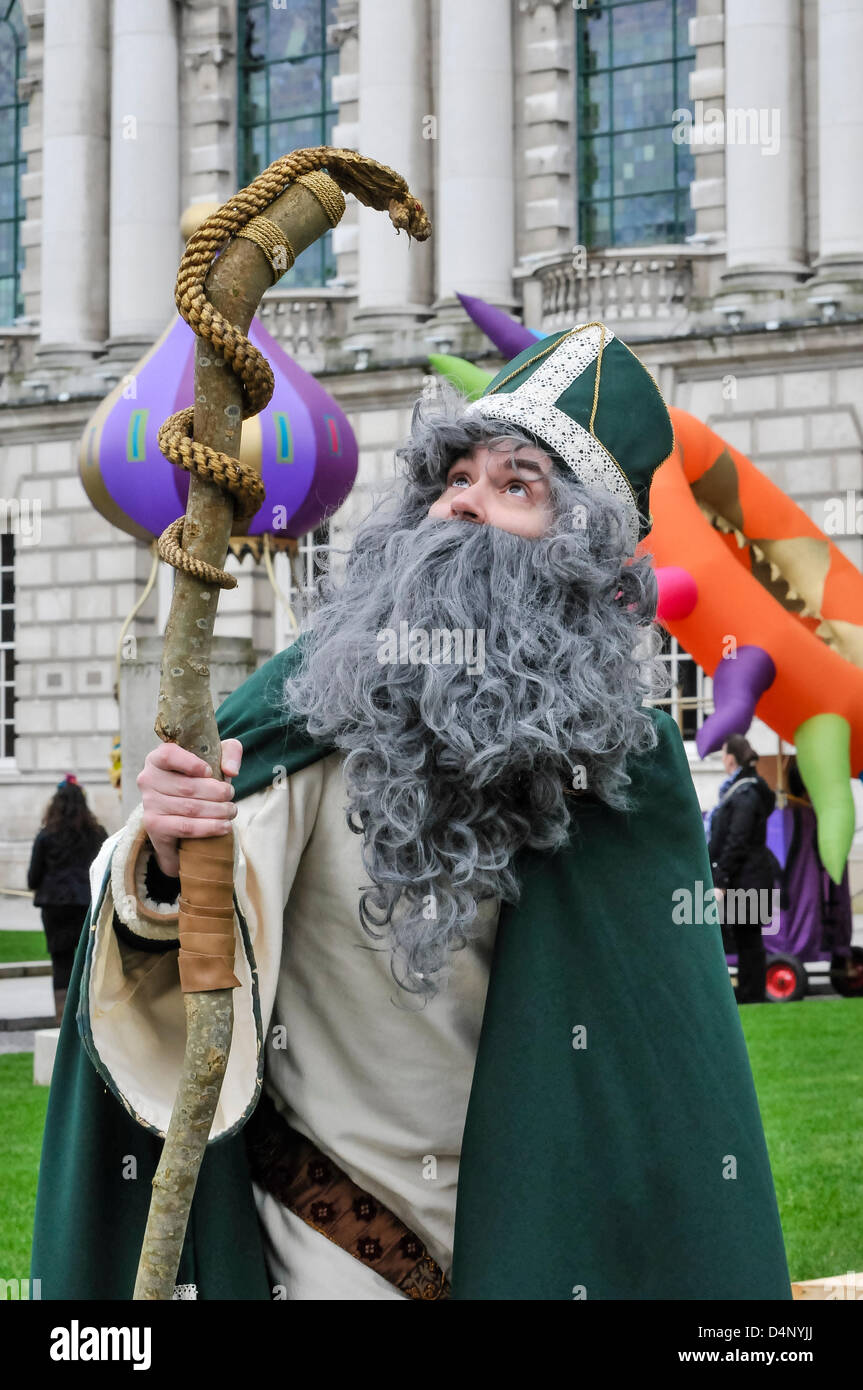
<point x="182" y="799"/>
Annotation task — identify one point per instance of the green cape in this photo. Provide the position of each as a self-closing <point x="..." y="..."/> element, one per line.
<point x="613" y="1145"/>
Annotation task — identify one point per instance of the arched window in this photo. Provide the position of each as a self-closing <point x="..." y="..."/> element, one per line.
<point x="13" y="43"/>
<point x="634" y="61"/>
<point x="285" y="100"/>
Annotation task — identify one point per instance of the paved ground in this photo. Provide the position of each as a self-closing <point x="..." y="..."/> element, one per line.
<point x="26" y="999"/>
<point x="16" y="1041"/>
<point x="18" y="913"/>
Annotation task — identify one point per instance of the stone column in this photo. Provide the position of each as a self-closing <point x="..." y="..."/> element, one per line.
<point x="208" y="101"/>
<point x="840" y="150"/>
<point x="475" y="212"/>
<point x="145" y="173"/>
<point x="764" y="146"/>
<point x="397" y="127"/>
<point x="343" y="34"/>
<point x="74" y="301"/>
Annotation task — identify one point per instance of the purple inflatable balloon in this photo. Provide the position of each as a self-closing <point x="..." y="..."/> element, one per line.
<point x="738" y="684"/>
<point x="302" y="442"/>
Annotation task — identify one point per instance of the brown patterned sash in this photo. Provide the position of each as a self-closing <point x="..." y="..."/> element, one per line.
<point x="295" y="1172"/>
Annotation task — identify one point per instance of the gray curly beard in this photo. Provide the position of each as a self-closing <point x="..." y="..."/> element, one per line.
<point x="451" y="766"/>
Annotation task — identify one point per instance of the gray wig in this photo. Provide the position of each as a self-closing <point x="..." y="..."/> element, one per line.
<point x="451" y="772"/>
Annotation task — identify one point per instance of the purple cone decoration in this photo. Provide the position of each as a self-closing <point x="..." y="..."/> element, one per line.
<point x="306" y="448"/>
<point x="738" y="684"/>
<point x="508" y="335"/>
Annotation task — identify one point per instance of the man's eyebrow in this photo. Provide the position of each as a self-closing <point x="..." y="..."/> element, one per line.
<point x="519" y="465"/>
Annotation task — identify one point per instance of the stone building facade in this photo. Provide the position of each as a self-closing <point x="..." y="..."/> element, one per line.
<point x="740" y="284"/>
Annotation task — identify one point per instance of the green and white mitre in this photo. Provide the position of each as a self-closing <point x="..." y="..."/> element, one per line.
<point x="589" y="398"/>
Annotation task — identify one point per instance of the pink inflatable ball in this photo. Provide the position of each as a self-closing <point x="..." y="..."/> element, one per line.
<point x="678" y="593"/>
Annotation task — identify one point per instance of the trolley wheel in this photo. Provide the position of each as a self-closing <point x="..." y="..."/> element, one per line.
<point x="847" y="977"/>
<point x="787" y="980"/>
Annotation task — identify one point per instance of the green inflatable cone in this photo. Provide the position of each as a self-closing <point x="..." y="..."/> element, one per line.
<point x="823" y="746"/>
<point x="462" y="374"/>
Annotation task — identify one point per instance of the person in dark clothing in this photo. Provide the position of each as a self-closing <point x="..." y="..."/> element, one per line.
<point x="817" y="913"/>
<point x="59" y="874"/>
<point x="741" y="861"/>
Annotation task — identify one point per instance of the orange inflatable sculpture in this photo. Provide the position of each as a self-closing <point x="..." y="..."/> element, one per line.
<point x="771" y="608"/>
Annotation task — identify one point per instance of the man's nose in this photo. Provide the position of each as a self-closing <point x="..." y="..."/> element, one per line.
<point x="467" y="506"/>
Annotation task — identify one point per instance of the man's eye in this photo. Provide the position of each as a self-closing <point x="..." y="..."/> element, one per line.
<point x="525" y="490"/>
<point x="459" y="478"/>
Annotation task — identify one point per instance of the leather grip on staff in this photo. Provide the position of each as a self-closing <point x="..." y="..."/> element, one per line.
<point x="206" y="924"/>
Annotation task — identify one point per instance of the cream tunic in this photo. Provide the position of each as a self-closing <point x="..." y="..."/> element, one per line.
<point x="378" y="1083"/>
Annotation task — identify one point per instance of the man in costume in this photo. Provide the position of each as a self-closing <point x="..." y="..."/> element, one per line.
<point x="474" y="1054"/>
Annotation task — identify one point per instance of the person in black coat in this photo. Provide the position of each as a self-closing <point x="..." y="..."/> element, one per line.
<point x="59" y="873"/>
<point x="740" y="859"/>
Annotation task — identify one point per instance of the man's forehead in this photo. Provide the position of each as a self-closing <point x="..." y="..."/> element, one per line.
<point x="513" y="456"/>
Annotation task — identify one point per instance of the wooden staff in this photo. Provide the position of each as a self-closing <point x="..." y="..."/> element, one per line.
<point x="256" y="236"/>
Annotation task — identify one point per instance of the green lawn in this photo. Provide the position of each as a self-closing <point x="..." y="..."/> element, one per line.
<point x="22" y="1119"/>
<point x="22" y="945"/>
<point x="807" y="1060"/>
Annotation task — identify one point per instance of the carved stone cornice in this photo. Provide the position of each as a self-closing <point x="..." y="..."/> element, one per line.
<point x="29" y="85"/>
<point x="346" y="25"/>
<point x="34" y="14"/>
<point x="531" y="6"/>
<point x="337" y="34"/>
<point x="216" y="53"/>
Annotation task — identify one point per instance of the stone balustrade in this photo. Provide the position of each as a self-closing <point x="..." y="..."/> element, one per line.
<point x="647" y="289"/>
<point x="311" y="325"/>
